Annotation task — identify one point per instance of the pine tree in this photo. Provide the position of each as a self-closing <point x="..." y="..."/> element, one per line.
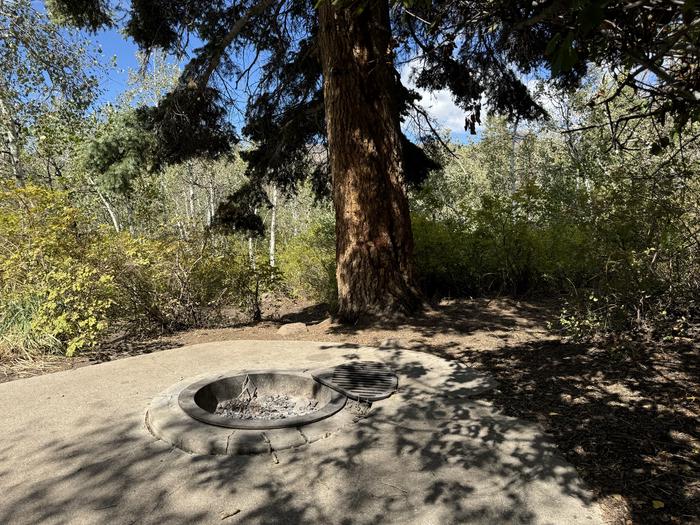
<point x="323" y="74"/>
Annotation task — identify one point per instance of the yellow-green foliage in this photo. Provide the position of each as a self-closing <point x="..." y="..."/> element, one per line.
<point x="77" y="300"/>
<point x="65" y="282"/>
<point x="307" y="263"/>
<point x="172" y="283"/>
<point x="51" y="284"/>
<point x="442" y="258"/>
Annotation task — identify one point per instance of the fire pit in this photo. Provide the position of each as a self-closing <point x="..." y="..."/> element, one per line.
<point x="260" y="400"/>
<point x="263" y="411"/>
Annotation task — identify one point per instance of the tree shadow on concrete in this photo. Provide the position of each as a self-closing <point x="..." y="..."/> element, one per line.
<point x="432" y="455"/>
<point x="629" y="420"/>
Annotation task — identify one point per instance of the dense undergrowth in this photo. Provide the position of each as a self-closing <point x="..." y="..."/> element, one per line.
<point x="65" y="281"/>
<point x="610" y="228"/>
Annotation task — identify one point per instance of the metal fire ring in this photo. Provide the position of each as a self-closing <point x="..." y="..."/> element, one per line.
<point x="188" y="404"/>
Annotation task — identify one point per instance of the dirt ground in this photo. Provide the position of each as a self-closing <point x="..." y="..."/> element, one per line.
<point x="627" y="418"/>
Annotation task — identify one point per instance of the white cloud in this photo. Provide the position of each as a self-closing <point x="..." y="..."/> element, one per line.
<point x="440" y="106"/>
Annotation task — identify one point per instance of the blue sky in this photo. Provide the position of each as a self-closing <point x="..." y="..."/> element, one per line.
<point x="114" y="81"/>
<point x="113" y="44"/>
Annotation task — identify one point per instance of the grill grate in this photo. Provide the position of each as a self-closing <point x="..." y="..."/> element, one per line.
<point x="360" y="380"/>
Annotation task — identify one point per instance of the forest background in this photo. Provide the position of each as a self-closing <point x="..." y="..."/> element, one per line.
<point x="95" y="240"/>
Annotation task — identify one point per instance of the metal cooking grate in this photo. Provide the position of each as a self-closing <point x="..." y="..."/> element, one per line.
<point x="360" y="380"/>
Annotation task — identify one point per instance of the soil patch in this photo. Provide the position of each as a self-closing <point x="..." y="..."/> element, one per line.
<point x="629" y="420"/>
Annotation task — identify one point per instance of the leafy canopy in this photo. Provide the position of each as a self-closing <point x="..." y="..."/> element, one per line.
<point x="478" y="50"/>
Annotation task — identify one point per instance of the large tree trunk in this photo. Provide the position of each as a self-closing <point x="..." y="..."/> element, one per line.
<point x="374" y="242"/>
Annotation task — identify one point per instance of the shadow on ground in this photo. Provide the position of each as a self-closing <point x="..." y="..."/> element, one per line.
<point x="436" y="457"/>
<point x="628" y="420"/>
<point x="460" y="318"/>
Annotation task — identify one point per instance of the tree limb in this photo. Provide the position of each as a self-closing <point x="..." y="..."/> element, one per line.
<point x="230" y="37"/>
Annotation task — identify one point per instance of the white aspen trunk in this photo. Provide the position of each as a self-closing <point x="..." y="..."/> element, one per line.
<point x="211" y="198"/>
<point x="12" y="141"/>
<point x="251" y="254"/>
<point x="190" y="202"/>
<point x="273" y="223"/>
<point x="295" y="217"/>
<point x="251" y="251"/>
<point x="512" y="157"/>
<point x="108" y="205"/>
<point x="181" y="230"/>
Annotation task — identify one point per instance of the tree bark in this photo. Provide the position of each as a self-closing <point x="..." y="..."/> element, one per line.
<point x="211" y="201"/>
<point x="108" y="205"/>
<point x="374" y="242"/>
<point x="273" y="225"/>
<point x="12" y="141"/>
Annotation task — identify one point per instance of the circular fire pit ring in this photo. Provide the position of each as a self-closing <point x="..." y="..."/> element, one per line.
<point x="185" y="414"/>
<point x="272" y="394"/>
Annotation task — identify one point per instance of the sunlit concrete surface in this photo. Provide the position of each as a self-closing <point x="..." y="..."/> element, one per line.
<point x="74" y="449"/>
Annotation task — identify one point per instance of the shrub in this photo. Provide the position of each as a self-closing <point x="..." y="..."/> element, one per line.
<point x="53" y="295"/>
<point x="442" y="258"/>
<point x="307" y="263"/>
<point x="64" y="283"/>
<point x="75" y="306"/>
<point x="248" y="282"/>
<point x="18" y="334"/>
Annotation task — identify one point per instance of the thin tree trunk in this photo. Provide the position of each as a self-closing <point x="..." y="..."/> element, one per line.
<point x="108" y="206"/>
<point x="295" y="216"/>
<point x="181" y="230"/>
<point x="251" y="249"/>
<point x="514" y="138"/>
<point x="374" y="242"/>
<point x="190" y="202"/>
<point x="251" y="253"/>
<point x="273" y="224"/>
<point x="190" y="198"/>
<point x="12" y="141"/>
<point x="211" y="201"/>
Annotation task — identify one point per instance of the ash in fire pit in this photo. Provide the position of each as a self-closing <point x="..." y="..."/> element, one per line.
<point x="275" y="406"/>
<point x="260" y="400"/>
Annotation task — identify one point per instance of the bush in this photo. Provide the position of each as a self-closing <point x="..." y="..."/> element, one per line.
<point x="307" y="263"/>
<point x="505" y="245"/>
<point x="174" y="284"/>
<point x="75" y="306"/>
<point x="64" y="283"/>
<point x="53" y="295"/>
<point x="249" y="282"/>
<point x="442" y="258"/>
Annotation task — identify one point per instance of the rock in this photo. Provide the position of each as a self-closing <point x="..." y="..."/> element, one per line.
<point x="292" y="328"/>
<point x="325" y="324"/>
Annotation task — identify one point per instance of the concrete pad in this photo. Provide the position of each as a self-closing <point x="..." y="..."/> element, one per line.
<point x="74" y="448"/>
